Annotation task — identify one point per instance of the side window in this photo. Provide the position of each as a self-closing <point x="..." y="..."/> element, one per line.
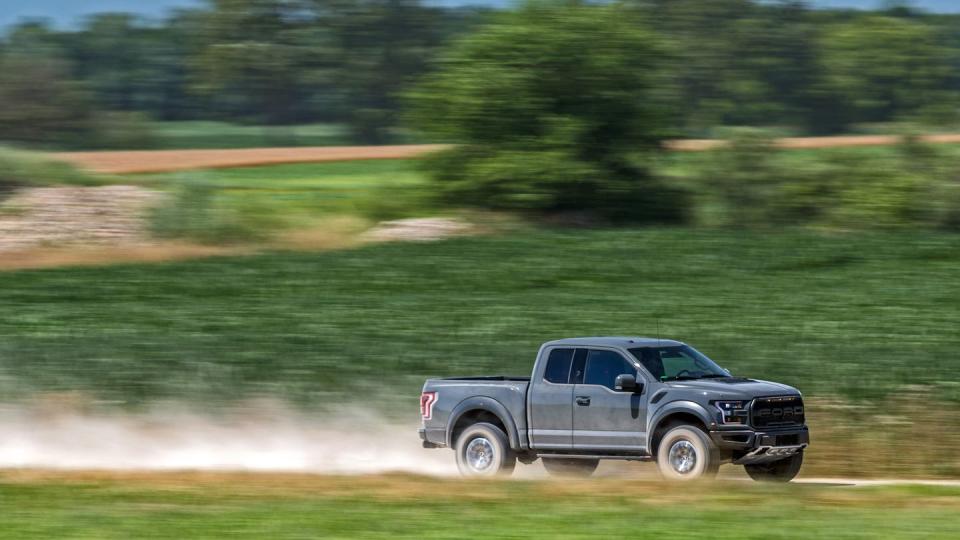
<point x="604" y="366"/>
<point x="558" y="366"/>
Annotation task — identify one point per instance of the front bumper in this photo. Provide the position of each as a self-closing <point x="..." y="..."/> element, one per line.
<point x="751" y="446"/>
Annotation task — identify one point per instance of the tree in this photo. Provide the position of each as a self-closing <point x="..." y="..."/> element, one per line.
<point x="382" y="47"/>
<point x="886" y="68"/>
<point x="41" y="101"/>
<point x="554" y="107"/>
<point x="251" y="56"/>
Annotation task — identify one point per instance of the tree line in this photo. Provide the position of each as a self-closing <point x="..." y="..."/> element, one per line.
<point x="355" y="63"/>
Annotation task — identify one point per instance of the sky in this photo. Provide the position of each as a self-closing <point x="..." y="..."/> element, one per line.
<point x="67" y="12"/>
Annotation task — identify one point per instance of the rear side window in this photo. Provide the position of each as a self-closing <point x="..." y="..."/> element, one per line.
<point x="604" y="366"/>
<point x="558" y="366"/>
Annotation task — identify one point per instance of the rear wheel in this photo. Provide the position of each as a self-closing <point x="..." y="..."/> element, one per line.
<point x="484" y="450"/>
<point x="783" y="470"/>
<point x="577" y="468"/>
<point x="686" y="453"/>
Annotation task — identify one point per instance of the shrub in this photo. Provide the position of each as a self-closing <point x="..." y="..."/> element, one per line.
<point x="19" y="168"/>
<point x="193" y="213"/>
<point x="755" y="184"/>
<point x="560" y="119"/>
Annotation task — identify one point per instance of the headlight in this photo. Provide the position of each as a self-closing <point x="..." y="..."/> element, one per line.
<point x="732" y="412"/>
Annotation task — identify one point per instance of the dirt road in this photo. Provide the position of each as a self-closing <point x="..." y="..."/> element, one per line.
<point x="148" y="161"/>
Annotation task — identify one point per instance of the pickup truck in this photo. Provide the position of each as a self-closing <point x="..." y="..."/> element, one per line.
<point x="627" y="398"/>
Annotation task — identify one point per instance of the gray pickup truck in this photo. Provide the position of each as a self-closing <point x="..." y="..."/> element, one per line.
<point x="622" y="398"/>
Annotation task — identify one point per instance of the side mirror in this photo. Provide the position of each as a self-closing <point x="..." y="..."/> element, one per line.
<point x="627" y="383"/>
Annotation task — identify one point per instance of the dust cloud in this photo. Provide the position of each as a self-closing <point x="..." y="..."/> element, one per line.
<point x="256" y="437"/>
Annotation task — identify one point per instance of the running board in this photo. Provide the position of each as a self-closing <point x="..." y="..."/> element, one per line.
<point x="596" y="456"/>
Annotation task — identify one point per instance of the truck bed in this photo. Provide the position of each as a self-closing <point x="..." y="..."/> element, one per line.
<point x="504" y="395"/>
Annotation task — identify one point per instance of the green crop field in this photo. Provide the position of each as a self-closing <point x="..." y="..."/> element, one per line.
<point x="854" y="315"/>
<point x="280" y="507"/>
<point x="315" y="188"/>
<point x="210" y="134"/>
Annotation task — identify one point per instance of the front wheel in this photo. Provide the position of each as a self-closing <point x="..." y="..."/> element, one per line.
<point x="570" y="467"/>
<point x="783" y="470"/>
<point x="483" y="450"/>
<point x="686" y="453"/>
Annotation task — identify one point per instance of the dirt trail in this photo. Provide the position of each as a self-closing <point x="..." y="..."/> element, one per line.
<point x="152" y="161"/>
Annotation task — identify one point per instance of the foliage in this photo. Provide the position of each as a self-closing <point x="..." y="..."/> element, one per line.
<point x="284" y="60"/>
<point x="254" y="203"/>
<point x="730" y="63"/>
<point x="21" y="169"/>
<point x="557" y="121"/>
<point x="751" y="183"/>
<point x="193" y="213"/>
<point x="884" y="68"/>
<point x="40" y="104"/>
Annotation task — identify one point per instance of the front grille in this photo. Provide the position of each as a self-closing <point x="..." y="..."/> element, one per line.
<point x="778" y="411"/>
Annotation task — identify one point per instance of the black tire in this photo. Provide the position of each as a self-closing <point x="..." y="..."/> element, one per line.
<point x="484" y="450"/>
<point x="573" y="468"/>
<point x="783" y="470"/>
<point x="695" y="456"/>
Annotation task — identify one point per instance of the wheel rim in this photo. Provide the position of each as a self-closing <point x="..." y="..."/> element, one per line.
<point x="479" y="454"/>
<point x="683" y="457"/>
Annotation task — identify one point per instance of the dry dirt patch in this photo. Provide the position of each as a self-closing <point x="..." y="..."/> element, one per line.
<point x="69" y="216"/>
<point x="419" y="230"/>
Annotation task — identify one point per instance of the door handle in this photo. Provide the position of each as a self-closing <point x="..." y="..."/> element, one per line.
<point x="583" y="400"/>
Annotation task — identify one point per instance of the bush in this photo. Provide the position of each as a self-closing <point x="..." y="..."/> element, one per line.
<point x="559" y="119"/>
<point x="193" y="213"/>
<point x="752" y="183"/>
<point x="19" y="169"/>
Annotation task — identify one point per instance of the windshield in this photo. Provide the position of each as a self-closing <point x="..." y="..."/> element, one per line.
<point x="679" y="362"/>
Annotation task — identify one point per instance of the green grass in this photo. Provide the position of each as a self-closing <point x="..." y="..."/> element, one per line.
<point x="855" y="315"/>
<point x="20" y="168"/>
<point x="212" y="135"/>
<point x="423" y="508"/>
<point x="264" y="200"/>
<point x="311" y="188"/>
<point x="200" y="134"/>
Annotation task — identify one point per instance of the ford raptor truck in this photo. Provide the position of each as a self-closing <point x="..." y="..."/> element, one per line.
<point x="620" y="398"/>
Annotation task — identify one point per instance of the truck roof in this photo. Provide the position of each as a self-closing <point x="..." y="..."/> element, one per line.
<point x="611" y="341"/>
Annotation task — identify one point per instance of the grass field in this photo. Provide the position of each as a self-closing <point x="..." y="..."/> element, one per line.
<point x="856" y="315"/>
<point x="312" y="189"/>
<point x="210" y="134"/>
<point x="225" y="205"/>
<point x="281" y="507"/>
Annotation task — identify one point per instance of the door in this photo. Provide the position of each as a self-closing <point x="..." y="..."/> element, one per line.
<point x="603" y="418"/>
<point x="551" y="398"/>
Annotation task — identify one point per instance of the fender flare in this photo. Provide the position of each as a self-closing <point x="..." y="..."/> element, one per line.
<point x="490" y="405"/>
<point x="680" y="406"/>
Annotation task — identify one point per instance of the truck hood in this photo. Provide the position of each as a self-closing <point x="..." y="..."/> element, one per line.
<point x="736" y="388"/>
